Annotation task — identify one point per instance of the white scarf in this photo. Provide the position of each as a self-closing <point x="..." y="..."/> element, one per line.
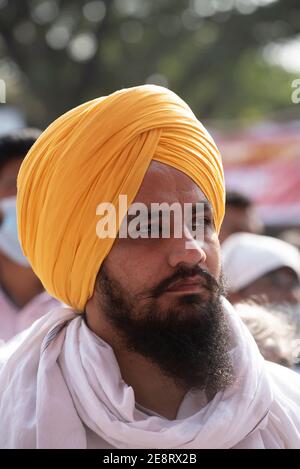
<point x="62" y="378"/>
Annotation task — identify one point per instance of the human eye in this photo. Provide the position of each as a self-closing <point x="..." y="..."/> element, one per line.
<point x="201" y="221"/>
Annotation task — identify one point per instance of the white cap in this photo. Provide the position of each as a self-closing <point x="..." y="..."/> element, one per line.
<point x="247" y="257"/>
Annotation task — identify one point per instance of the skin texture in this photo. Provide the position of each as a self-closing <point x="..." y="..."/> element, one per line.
<point x="141" y="264"/>
<point x="128" y="257"/>
<point x="8" y="177"/>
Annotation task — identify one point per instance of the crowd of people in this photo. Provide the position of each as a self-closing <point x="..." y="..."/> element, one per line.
<point x="127" y="343"/>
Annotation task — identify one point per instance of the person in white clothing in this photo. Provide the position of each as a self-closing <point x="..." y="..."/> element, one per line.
<point x="261" y="267"/>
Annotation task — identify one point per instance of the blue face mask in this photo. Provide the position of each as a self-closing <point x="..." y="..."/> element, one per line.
<point x="9" y="242"/>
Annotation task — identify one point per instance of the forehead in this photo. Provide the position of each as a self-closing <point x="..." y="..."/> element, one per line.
<point x="163" y="183"/>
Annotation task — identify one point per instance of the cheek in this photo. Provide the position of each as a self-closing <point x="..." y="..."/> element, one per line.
<point x="135" y="267"/>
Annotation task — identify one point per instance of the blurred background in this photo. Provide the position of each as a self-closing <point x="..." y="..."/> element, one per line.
<point x="234" y="61"/>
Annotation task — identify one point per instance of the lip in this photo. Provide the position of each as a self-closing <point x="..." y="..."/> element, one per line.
<point x="186" y="286"/>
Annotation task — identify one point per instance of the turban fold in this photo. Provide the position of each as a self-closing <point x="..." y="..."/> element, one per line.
<point x="92" y="154"/>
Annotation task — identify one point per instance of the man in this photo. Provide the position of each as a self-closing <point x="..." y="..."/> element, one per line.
<point x="261" y="267"/>
<point x="22" y="296"/>
<point x="265" y="270"/>
<point x="240" y="215"/>
<point x="150" y="355"/>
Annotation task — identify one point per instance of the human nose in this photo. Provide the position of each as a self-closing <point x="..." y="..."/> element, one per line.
<point x="186" y="250"/>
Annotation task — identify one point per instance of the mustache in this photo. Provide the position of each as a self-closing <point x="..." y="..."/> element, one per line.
<point x="182" y="273"/>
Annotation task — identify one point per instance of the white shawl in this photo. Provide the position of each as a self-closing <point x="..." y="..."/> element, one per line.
<point x="60" y="379"/>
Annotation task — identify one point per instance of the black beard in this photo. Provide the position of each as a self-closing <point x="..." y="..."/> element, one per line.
<point x="189" y="341"/>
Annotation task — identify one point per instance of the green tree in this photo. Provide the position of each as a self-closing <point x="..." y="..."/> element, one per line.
<point x="57" y="54"/>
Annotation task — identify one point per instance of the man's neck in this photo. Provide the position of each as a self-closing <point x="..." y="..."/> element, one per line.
<point x="152" y="389"/>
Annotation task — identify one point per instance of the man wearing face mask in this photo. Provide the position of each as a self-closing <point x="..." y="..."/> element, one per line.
<point x="150" y="354"/>
<point x="22" y="296"/>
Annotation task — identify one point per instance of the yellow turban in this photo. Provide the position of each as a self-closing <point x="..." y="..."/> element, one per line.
<point x="92" y="154"/>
